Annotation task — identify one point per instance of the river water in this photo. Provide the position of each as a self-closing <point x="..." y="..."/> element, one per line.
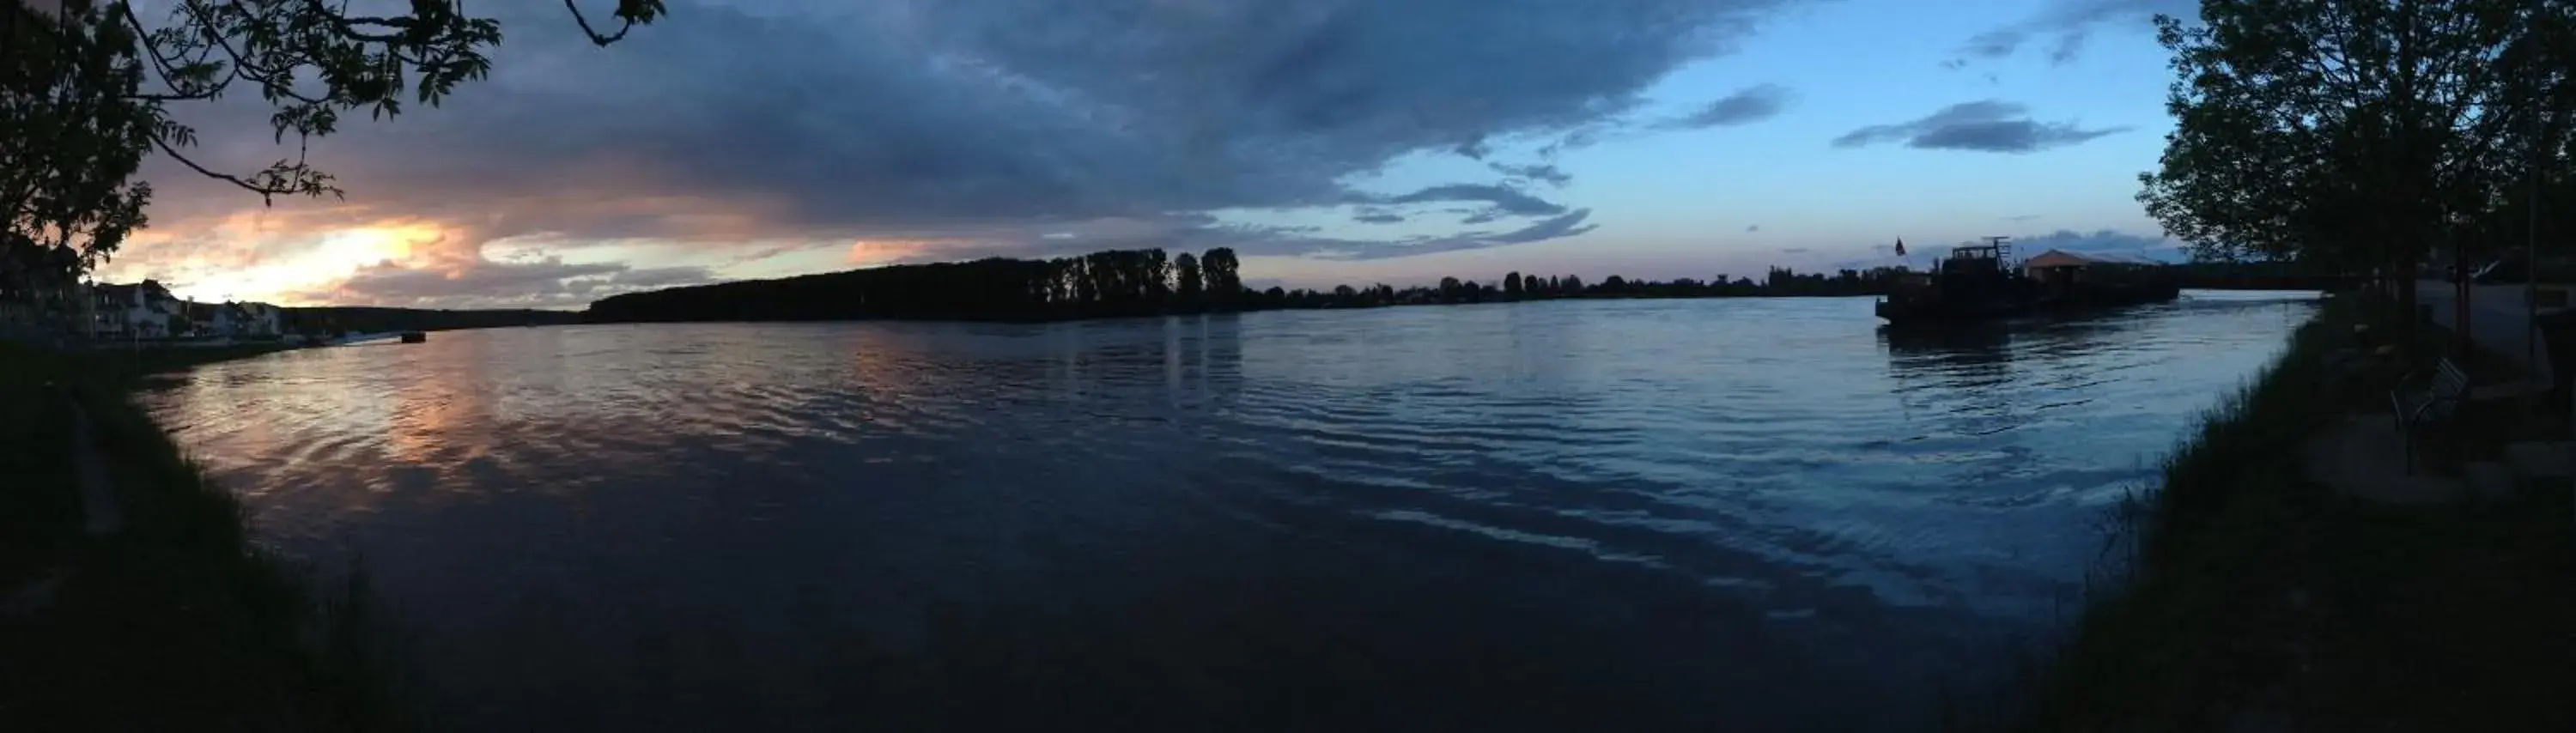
<point x="1740" y="514"/>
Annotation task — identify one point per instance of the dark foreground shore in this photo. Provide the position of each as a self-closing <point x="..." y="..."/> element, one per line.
<point x="2251" y="593"/>
<point x="134" y="599"/>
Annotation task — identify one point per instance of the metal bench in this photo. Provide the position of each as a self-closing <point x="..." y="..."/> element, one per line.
<point x="2432" y="404"/>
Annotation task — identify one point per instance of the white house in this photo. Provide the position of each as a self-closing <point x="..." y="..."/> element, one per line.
<point x="148" y="310"/>
<point x="245" y="319"/>
<point x="140" y="310"/>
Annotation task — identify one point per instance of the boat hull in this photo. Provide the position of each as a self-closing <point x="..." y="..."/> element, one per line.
<point x="1901" y="313"/>
<point x="1935" y="310"/>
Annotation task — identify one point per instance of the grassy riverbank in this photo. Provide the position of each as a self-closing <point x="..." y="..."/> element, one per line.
<point x="174" y="620"/>
<point x="2257" y="597"/>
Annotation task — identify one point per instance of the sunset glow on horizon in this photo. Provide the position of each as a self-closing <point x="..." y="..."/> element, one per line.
<point x="1809" y="135"/>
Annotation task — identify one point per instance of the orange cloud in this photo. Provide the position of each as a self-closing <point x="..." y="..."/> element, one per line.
<point x="870" y="253"/>
<point x="270" y="256"/>
<point x="225" y="245"/>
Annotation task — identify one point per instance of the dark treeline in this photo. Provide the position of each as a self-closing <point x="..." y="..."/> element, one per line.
<point x="1101" y="284"/>
<point x="1779" y="282"/>
<point x="1138" y="283"/>
<point x="354" y="319"/>
<point x="2259" y="276"/>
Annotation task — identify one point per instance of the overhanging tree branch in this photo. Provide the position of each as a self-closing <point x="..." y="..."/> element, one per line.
<point x="312" y="60"/>
<point x="595" y="38"/>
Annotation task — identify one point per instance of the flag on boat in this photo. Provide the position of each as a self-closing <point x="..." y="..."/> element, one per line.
<point x="1900" y="246"/>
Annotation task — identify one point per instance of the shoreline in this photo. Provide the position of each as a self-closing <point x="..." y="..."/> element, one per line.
<point x="173" y="606"/>
<point x="2252" y="596"/>
<point x="607" y="321"/>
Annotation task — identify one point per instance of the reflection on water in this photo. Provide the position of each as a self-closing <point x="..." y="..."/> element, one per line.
<point x="1744" y="514"/>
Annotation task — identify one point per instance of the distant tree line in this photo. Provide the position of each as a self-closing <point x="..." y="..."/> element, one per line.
<point x="1112" y="283"/>
<point x="1779" y="282"/>
<point x="2261" y="276"/>
<point x="1143" y="282"/>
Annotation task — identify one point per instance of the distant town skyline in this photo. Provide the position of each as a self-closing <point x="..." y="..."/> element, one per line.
<point x="1331" y="142"/>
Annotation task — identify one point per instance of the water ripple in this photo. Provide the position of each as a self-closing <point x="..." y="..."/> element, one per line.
<point x="561" y="493"/>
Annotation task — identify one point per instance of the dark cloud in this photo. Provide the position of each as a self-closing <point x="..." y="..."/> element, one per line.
<point x="1585" y="136"/>
<point x="2103" y="240"/>
<point x="1750" y="104"/>
<point x="2066" y="25"/>
<point x="1993" y="44"/>
<point x="1254" y="240"/>
<point x="1569" y="224"/>
<point x="1539" y="172"/>
<point x="1378" y="217"/>
<point x="1504" y="199"/>
<point x="1475" y="149"/>
<point x="2022" y="218"/>
<point x="1989" y="126"/>
<point x="1793" y="250"/>
<point x="1753" y="228"/>
<point x="979" y="123"/>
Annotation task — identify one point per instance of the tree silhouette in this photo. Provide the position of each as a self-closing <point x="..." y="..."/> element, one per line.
<point x="1188" y="287"/>
<point x="1224" y="285"/>
<point x="73" y="139"/>
<point x="1157" y="274"/>
<point x="2357" y="134"/>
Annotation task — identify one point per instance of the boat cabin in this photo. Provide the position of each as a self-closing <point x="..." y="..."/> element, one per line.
<point x="2060" y="267"/>
<point x="1978" y="258"/>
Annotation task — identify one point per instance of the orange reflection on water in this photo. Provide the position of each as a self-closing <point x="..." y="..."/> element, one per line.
<point x="434" y="402"/>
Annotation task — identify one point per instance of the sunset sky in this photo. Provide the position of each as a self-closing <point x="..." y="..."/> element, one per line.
<point x="1328" y="141"/>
